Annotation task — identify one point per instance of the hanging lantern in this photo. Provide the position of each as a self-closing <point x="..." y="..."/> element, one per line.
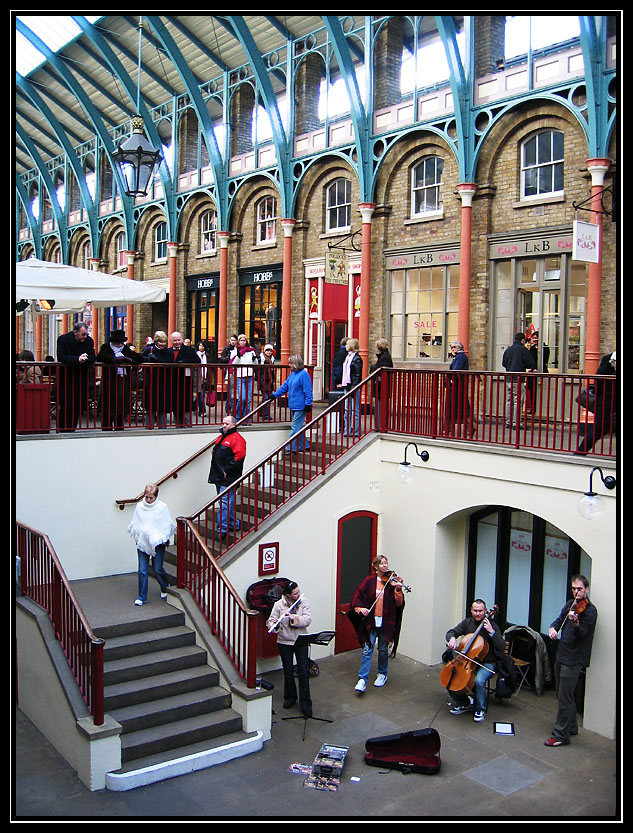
<point x="136" y="161"/>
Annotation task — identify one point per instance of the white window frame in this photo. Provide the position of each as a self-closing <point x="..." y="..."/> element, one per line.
<point x="160" y="241"/>
<point x="266" y="220"/>
<point x="545" y="165"/>
<point x="338" y="206"/>
<point x="428" y="194"/>
<point x="121" y="251"/>
<point x="208" y="232"/>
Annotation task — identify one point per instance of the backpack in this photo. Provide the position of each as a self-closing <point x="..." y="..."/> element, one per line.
<point x="507" y="677"/>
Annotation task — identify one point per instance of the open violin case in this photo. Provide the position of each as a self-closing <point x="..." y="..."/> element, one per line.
<point x="416" y="751"/>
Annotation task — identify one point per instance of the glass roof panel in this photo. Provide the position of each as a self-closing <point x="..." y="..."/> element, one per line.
<point x="55" y="30"/>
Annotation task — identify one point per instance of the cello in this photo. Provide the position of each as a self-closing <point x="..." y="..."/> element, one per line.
<point x="458" y="675"/>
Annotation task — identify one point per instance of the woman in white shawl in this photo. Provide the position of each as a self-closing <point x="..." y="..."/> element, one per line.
<point x="151" y="528"/>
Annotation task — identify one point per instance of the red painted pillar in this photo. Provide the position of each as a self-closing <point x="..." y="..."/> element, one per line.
<point x="223" y="237"/>
<point x="288" y="225"/>
<point x="94" y="265"/>
<point x="597" y="168"/>
<point x="130" y="307"/>
<point x="172" y="251"/>
<point x="367" y="211"/>
<point x="466" y="192"/>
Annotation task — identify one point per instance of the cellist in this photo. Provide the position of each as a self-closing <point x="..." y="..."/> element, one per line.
<point x="489" y="632"/>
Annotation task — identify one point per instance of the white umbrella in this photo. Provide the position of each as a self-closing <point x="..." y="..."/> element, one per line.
<point x="72" y="287"/>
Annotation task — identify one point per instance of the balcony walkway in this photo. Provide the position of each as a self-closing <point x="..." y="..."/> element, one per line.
<point x="500" y="776"/>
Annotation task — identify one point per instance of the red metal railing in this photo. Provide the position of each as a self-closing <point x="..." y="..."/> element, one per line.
<point x="52" y="396"/>
<point x="43" y="580"/>
<point x="482" y="407"/>
<point x="255" y="497"/>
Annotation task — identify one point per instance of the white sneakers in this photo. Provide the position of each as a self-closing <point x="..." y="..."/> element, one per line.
<point x="361" y="685"/>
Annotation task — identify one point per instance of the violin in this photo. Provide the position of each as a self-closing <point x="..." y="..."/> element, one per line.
<point x="580" y="607"/>
<point x="458" y="675"/>
<point x="396" y="581"/>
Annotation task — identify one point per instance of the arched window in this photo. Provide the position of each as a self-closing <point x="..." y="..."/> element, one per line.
<point x="121" y="251"/>
<point x="160" y="241"/>
<point x="426" y="181"/>
<point x="338" y="202"/>
<point x="523" y="563"/>
<point x="266" y="218"/>
<point x="542" y="164"/>
<point x="208" y="229"/>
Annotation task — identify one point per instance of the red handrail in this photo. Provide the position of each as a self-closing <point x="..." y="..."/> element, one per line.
<point x="43" y="580"/>
<point x="256" y="496"/>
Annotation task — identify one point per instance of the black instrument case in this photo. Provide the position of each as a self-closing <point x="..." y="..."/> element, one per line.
<point x="416" y="751"/>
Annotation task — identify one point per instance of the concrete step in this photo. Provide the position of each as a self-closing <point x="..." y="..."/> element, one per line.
<point x="163" y="685"/>
<point x="152" y="664"/>
<point x="171" y="736"/>
<point x="160" y="617"/>
<point x="167" y="709"/>
<point x="151" y="769"/>
<point x="131" y="645"/>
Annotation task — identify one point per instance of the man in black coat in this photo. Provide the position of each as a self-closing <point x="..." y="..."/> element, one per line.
<point x="182" y="382"/>
<point x="118" y="359"/>
<point x="516" y="359"/>
<point x="76" y="351"/>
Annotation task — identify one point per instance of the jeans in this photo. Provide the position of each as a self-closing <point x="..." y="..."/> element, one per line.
<point x="513" y="400"/>
<point x="244" y="396"/>
<point x="159" y="571"/>
<point x="298" y="418"/>
<point x="287" y="653"/>
<point x="227" y="509"/>
<point x="368" y="650"/>
<point x="352" y="412"/>
<point x="479" y="688"/>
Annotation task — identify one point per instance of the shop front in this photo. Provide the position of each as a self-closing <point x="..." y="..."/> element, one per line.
<point x="423" y="292"/>
<point x="537" y="287"/>
<point x="260" y="305"/>
<point x="202" y="311"/>
<point x="332" y="312"/>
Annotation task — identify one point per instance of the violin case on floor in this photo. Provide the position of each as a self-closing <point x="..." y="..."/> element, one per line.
<point x="416" y="751"/>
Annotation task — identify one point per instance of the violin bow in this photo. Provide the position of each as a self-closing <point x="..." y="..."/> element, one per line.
<point x="571" y="607"/>
<point x="384" y="587"/>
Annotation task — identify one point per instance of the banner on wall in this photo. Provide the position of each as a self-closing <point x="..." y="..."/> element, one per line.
<point x="586" y="238"/>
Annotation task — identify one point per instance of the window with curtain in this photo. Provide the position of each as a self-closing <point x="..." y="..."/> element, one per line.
<point x="266" y="220"/>
<point x="208" y="230"/>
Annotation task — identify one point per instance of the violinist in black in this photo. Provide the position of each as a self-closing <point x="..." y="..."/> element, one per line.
<point x="491" y="633"/>
<point x="575" y="627"/>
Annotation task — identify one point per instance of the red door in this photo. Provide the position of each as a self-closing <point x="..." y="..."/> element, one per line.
<point x="356" y="550"/>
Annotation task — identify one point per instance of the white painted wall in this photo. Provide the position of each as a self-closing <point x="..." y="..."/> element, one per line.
<point x="67" y="489"/>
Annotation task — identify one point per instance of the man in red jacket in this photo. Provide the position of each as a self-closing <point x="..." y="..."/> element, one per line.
<point x="227" y="465"/>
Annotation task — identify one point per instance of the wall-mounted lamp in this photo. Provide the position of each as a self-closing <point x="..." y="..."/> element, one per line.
<point x="135" y="159"/>
<point x="591" y="505"/>
<point x="404" y="469"/>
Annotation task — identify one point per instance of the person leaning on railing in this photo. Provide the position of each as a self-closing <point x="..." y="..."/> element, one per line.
<point x="605" y="416"/>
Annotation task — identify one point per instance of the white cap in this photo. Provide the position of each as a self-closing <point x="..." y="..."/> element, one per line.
<point x="268" y="347"/>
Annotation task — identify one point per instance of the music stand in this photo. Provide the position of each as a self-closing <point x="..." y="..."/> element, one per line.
<point x="322" y="638"/>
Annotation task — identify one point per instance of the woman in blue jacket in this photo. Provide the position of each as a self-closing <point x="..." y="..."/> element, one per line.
<point x="298" y="387"/>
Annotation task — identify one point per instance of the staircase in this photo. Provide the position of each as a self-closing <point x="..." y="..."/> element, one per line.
<point x="175" y="716"/>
